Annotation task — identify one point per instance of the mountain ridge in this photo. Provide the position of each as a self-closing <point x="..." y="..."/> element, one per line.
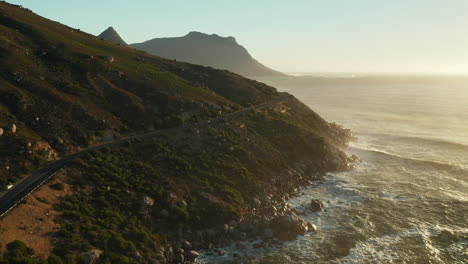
<point x="207" y="50"/>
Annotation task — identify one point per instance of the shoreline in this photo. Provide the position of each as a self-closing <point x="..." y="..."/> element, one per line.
<point x="257" y="232"/>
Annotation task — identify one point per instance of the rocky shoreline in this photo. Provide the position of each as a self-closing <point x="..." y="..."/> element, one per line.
<point x="271" y="220"/>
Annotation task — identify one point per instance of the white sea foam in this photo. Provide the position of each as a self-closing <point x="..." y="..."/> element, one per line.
<point x="383" y="249"/>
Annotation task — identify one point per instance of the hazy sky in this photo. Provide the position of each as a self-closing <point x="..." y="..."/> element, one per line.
<point x="294" y="35"/>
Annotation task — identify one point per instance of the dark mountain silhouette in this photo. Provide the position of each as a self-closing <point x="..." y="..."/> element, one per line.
<point x="111" y="35"/>
<point x="207" y="50"/>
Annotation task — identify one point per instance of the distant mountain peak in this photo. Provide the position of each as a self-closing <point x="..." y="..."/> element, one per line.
<point x="201" y="35"/>
<point x="111" y="34"/>
<point x="208" y="50"/>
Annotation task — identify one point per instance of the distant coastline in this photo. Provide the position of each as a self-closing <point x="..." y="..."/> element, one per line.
<point x="373" y="74"/>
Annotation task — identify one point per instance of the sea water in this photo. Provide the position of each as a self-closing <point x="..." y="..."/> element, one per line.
<point x="406" y="200"/>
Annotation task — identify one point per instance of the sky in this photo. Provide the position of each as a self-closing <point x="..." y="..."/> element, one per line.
<point x="405" y="36"/>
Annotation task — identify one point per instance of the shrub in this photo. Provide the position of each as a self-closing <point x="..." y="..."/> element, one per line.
<point x="57" y="186"/>
<point x="18" y="252"/>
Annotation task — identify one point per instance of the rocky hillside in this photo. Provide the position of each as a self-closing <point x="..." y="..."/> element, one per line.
<point x="208" y="50"/>
<point x="161" y="199"/>
<point x="111" y="35"/>
<point x="64" y="89"/>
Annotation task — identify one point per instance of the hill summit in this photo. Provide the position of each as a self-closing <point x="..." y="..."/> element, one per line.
<point x="111" y="35"/>
<point x="207" y="50"/>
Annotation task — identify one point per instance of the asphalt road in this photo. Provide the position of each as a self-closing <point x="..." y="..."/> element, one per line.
<point x="22" y="189"/>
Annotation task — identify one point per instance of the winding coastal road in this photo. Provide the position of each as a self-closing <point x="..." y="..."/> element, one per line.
<point x="22" y="189"/>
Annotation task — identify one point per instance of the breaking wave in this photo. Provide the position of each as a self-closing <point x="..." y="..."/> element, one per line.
<point x="434" y="164"/>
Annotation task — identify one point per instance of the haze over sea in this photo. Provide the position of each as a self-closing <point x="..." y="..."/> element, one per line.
<point x="406" y="200"/>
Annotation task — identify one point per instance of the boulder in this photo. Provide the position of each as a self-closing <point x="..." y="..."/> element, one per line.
<point x="288" y="227"/>
<point x="225" y="228"/>
<point x="148" y="201"/>
<point x="316" y="205"/>
<point x="160" y="258"/>
<point x="311" y="228"/>
<point x="179" y="258"/>
<point x="186" y="245"/>
<point x="108" y="58"/>
<point x="220" y="252"/>
<point x="182" y="204"/>
<point x="12" y="128"/>
<point x="257" y="203"/>
<point x="191" y="255"/>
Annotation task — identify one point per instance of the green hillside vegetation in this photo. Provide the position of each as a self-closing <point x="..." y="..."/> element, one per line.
<point x="57" y="86"/>
<point x="68" y="90"/>
<point x="202" y="180"/>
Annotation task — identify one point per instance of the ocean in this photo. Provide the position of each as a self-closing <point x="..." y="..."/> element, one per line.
<point x="406" y="199"/>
